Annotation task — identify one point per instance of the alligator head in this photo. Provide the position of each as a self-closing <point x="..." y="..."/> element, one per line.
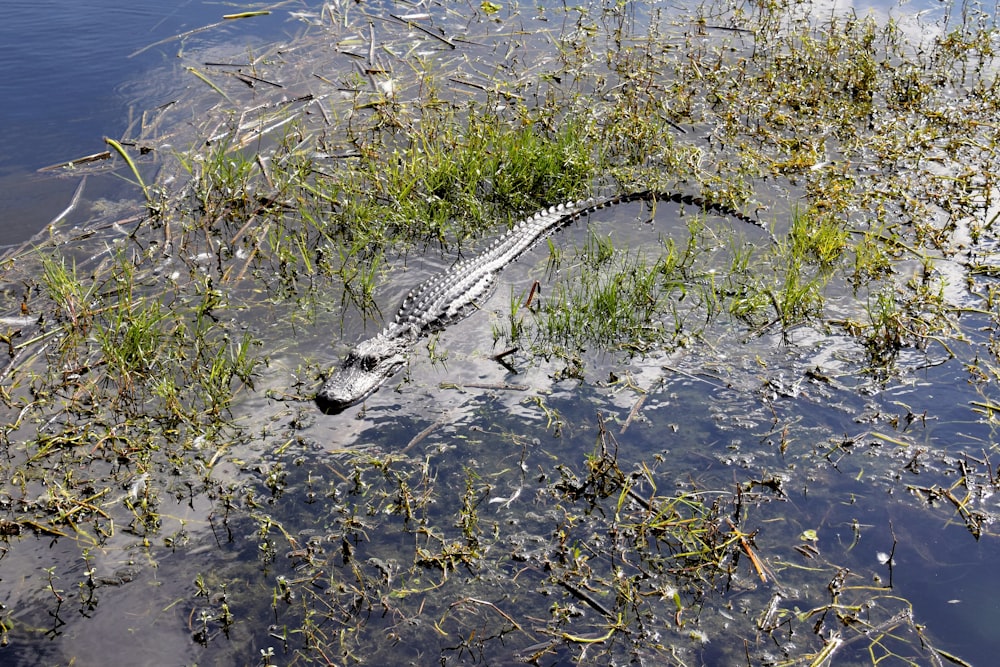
<point x="365" y="369"/>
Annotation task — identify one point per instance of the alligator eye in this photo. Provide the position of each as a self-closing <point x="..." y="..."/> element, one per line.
<point x="368" y="363"/>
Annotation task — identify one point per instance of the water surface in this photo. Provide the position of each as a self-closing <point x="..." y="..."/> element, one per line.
<point x="464" y="494"/>
<point x="76" y="72"/>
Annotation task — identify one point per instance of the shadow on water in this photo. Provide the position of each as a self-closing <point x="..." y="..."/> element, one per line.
<point x="662" y="439"/>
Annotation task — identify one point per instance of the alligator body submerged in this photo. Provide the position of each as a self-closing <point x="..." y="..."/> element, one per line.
<point x="451" y="295"/>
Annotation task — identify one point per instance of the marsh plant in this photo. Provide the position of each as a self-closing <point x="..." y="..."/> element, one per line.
<point x="162" y="363"/>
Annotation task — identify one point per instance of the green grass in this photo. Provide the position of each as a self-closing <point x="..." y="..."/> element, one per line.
<point x="614" y="299"/>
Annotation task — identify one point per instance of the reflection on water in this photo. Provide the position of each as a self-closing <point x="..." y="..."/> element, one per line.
<point x="70" y="79"/>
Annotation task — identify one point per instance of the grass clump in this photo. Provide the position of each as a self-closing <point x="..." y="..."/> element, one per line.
<point x="457" y="174"/>
<point x="128" y="384"/>
<point x="819" y="236"/>
<point x="610" y="299"/>
<point x="295" y="221"/>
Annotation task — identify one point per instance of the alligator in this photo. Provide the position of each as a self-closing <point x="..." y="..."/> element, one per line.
<point x="452" y="294"/>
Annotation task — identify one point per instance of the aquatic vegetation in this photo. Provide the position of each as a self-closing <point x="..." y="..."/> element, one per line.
<point x="683" y="431"/>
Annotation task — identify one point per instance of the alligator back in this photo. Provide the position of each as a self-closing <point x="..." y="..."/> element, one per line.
<point x="448" y="296"/>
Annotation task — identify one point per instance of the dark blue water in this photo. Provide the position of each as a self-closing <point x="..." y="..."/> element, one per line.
<point x="71" y="73"/>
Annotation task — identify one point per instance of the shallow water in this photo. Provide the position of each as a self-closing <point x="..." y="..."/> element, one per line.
<point x="308" y="518"/>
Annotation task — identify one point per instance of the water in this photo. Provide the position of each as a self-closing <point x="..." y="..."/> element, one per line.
<point x="441" y="521"/>
<point x="72" y="76"/>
